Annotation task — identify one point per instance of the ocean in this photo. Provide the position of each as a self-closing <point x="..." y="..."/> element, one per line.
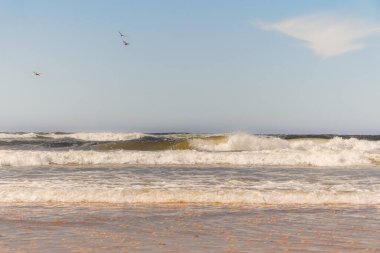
<point x="183" y="192"/>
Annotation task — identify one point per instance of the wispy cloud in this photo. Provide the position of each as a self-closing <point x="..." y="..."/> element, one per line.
<point x="327" y="35"/>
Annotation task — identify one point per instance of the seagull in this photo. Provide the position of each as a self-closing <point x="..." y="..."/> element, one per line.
<point x="125" y="43"/>
<point x="121" y="35"/>
<point x="36" y="73"/>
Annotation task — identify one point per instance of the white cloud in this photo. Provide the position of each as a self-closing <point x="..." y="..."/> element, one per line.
<point x="327" y="35"/>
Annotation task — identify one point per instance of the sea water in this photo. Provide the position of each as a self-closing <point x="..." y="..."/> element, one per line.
<point x="119" y="192"/>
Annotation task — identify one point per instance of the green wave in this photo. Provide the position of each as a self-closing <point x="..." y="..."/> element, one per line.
<point x="152" y="144"/>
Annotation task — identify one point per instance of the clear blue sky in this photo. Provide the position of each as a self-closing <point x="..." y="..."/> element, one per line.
<point x="196" y="66"/>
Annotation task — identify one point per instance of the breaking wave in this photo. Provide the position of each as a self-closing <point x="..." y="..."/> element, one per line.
<point x="98" y="136"/>
<point x="285" y="157"/>
<point x="78" y="136"/>
<point x="7" y="136"/>
<point x="233" y="149"/>
<point x="239" y="142"/>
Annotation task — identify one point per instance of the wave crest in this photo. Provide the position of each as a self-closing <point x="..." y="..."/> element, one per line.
<point x="239" y="142"/>
<point x="99" y="136"/>
<point x="105" y="136"/>
<point x="233" y="149"/>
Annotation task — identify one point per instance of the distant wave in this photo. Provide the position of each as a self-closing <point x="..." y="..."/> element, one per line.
<point x="78" y="136"/>
<point x="98" y="136"/>
<point x="18" y="135"/>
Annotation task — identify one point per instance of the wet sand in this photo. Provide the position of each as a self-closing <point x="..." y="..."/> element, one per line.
<point x="188" y="228"/>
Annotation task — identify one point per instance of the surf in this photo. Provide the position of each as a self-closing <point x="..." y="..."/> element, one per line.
<point x="240" y="149"/>
<point x="160" y="196"/>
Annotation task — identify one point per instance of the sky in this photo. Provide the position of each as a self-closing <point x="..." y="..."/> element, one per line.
<point x="191" y="66"/>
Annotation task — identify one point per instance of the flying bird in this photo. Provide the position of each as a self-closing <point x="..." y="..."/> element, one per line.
<point x="36" y="73"/>
<point x="121" y="35"/>
<point x="125" y="43"/>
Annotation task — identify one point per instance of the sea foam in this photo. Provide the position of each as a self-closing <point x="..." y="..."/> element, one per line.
<point x="284" y="157"/>
<point x="99" y="136"/>
<point x="230" y="196"/>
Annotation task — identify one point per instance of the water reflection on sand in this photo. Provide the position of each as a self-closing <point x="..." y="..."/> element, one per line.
<point x="188" y="228"/>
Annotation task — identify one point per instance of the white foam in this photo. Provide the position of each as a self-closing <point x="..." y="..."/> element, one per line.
<point x="98" y="136"/>
<point x="17" y="136"/>
<point x="122" y="195"/>
<point x="337" y="143"/>
<point x="248" y="142"/>
<point x="105" y="136"/>
<point x="285" y="157"/>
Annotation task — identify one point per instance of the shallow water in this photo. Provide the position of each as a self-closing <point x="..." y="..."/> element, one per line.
<point x="188" y="228"/>
<point x="218" y="209"/>
<point x="157" y="184"/>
